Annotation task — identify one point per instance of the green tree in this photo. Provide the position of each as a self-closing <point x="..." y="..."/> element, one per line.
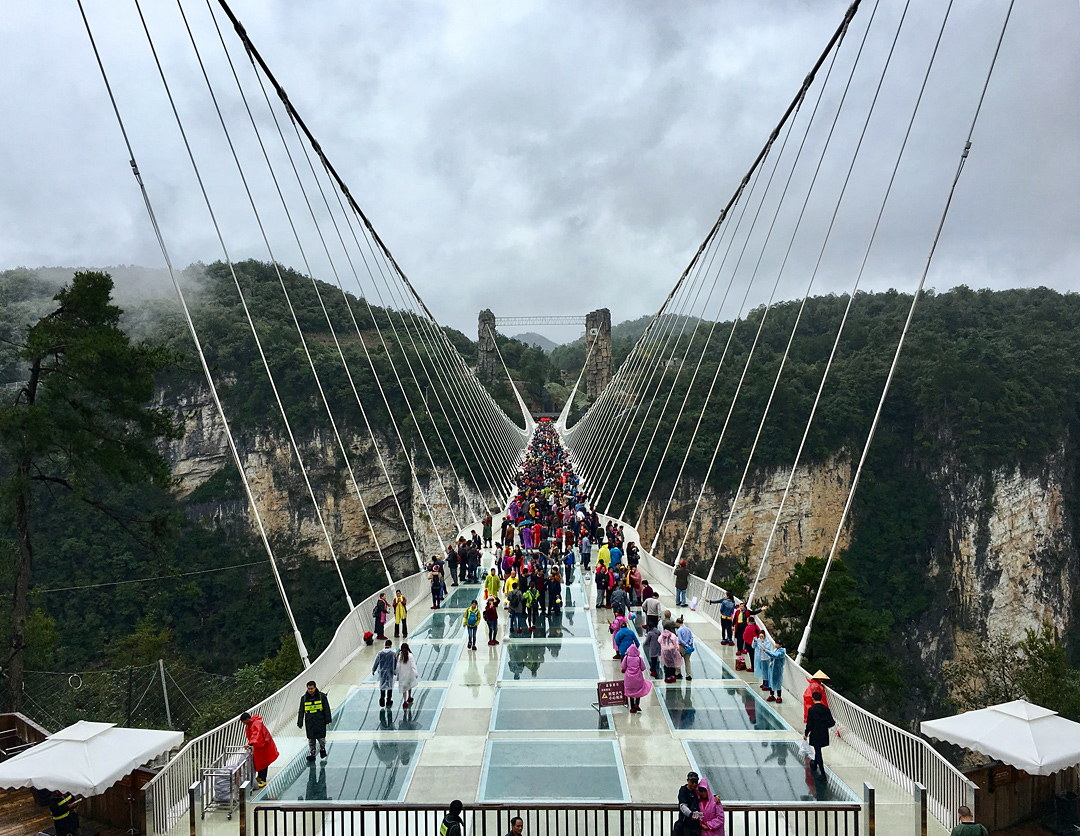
<point x="79" y="419"/>
<point x="848" y="639"/>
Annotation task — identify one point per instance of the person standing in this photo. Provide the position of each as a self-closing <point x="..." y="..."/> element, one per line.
<point x="586" y="554"/>
<point x="261" y="745"/>
<point x="635" y="685"/>
<point x="777" y="658"/>
<point x="967" y="826"/>
<point x="652" y="650"/>
<point x="686" y="645"/>
<point x="727" y="613"/>
<point x="453" y="562"/>
<point x="516" y="600"/>
<point x="407" y="674"/>
<point x="384" y="665"/>
<point x="381" y="614"/>
<point x="314" y="714"/>
<point x="669" y="654"/>
<point x="653" y="609"/>
<point x="690" y="807"/>
<point x="682" y="583"/>
<point x="819" y="720"/>
<point x="516" y="826"/>
<point x="436" y="581"/>
<point x="62" y="808"/>
<point x="471" y="620"/>
<point x="401" y="615"/>
<point x="486" y="522"/>
<point x="452" y="825"/>
<point x="492" y="585"/>
<point x="491" y="617"/>
<point x="712" y="810"/>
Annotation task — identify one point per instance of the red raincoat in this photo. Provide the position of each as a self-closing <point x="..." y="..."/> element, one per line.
<point x="263" y="749"/>
<point x="808" y="696"/>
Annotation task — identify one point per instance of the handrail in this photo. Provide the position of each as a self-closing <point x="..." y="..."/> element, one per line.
<point x="167" y="792"/>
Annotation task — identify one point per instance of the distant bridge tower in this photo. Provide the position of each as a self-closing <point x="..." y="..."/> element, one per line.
<point x="487" y="358"/>
<point x="598" y="350"/>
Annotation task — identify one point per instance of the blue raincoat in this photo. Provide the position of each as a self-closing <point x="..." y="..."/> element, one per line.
<point x="385" y="663"/>
<point x="777" y="658"/>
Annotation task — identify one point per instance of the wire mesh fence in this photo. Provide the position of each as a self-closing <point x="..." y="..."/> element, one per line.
<point x="161" y="696"/>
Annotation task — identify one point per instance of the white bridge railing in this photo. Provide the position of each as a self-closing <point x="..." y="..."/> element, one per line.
<point x="167" y="797"/>
<point x="904" y="757"/>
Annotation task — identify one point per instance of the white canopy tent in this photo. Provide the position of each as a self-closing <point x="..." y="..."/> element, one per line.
<point x="1018" y="733"/>
<point x="86" y="758"/>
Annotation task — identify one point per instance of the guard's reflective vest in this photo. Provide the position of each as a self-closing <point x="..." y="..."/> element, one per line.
<point x="59" y="804"/>
<point x="314" y="714"/>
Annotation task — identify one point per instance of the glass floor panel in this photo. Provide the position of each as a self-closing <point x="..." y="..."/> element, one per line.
<point x="550" y="660"/>
<point x="441" y="625"/>
<point x="547" y="709"/>
<point x="708" y="708"/>
<point x="357" y="770"/>
<point x="460" y="598"/>
<point x="767" y="770"/>
<point x="553" y="770"/>
<point x="571" y="623"/>
<point x="361" y="711"/>
<point x="705" y="664"/>
<point x="435" y="662"/>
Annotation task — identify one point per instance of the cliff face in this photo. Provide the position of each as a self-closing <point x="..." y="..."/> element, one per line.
<point x="282" y="496"/>
<point x="1009" y="560"/>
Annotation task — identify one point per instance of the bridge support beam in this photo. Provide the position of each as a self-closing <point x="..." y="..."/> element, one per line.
<point x="487" y="358"/>
<point x="598" y="350"/>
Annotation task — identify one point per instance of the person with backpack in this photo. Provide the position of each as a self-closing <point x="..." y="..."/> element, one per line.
<point x="531" y="599"/>
<point x="471" y="620"/>
<point x="435" y="579"/>
<point x="516" y="599"/>
<point x="314" y="717"/>
<point x="452" y="825"/>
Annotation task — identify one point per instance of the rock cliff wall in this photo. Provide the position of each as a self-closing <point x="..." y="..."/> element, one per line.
<point x="284" y="502"/>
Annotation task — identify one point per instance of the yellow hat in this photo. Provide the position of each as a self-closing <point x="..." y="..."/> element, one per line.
<point x="820" y="675"/>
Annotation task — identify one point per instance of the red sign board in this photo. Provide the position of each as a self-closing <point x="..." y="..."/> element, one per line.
<point x="610" y="693"/>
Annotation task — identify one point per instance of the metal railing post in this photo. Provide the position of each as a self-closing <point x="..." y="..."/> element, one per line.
<point x="921" y="790"/>
<point x="243" y="807"/>
<point x="869" y="794"/>
<point x="194" y="792"/>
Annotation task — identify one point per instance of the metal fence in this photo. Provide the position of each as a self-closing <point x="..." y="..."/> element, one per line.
<point x="488" y="819"/>
<point x="167" y="794"/>
<point x="905" y="758"/>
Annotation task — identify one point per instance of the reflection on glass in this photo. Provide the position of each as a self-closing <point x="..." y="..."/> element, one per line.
<point x="711" y="708"/>
<point x="435" y="662"/>
<point x="571" y="623"/>
<point x="440" y="625"/>
<point x="360" y="711"/>
<point x="707" y="665"/>
<point x="548" y="709"/>
<point x="550" y="660"/>
<point x="460" y="598"/>
<point x="767" y="770"/>
<point x="356" y="770"/>
<point x="553" y="770"/>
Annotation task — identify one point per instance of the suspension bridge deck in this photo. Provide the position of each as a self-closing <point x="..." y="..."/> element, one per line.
<point x="515" y="722"/>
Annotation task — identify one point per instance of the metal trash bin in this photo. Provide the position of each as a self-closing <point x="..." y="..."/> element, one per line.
<point x="221" y="781"/>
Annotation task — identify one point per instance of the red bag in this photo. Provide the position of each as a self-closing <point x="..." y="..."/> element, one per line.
<point x="740" y="663"/>
<point x="369" y="637"/>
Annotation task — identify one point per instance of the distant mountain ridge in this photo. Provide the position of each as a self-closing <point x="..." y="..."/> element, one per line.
<point x="537" y="340"/>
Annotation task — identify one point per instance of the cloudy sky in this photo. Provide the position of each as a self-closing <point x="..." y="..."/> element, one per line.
<point x="552" y="158"/>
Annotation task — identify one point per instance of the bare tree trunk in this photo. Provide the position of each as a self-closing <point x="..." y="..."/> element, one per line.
<point x="22" y="587"/>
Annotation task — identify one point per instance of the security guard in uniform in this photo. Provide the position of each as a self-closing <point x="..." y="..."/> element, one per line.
<point x="62" y="807"/>
<point x="315" y="714"/>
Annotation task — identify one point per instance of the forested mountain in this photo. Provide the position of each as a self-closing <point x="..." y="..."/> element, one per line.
<point x="983" y="415"/>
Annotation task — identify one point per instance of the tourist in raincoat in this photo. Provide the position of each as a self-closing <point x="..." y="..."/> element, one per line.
<point x="408" y="674"/>
<point x="625" y="638"/>
<point x="670" y="657"/>
<point x="491" y="584"/>
<point x="261" y="744"/>
<point x="817" y="685"/>
<point x="711" y="809"/>
<point x="384" y="665"/>
<point x="777" y="658"/>
<point x="603" y="557"/>
<point x="635" y="685"/>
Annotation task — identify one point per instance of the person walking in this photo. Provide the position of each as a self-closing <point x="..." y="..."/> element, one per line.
<point x="816" y="684"/>
<point x="967" y="826"/>
<point x="653" y="609"/>
<point x="652" y="650"/>
<point x="408" y="674"/>
<point x="516" y="600"/>
<point x="401" y="615"/>
<point x="635" y="685"/>
<point x="686" y="645"/>
<point x="531" y="599"/>
<point x="625" y="637"/>
<point x="669" y="654"/>
<point x="682" y="583"/>
<point x="491" y="617"/>
<point x="314" y="717"/>
<point x="471" y="620"/>
<point x="261" y="745"/>
<point x="381" y="614"/>
<point x="819" y="720"/>
<point x="689" y="823"/>
<point x="384" y="665"/>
